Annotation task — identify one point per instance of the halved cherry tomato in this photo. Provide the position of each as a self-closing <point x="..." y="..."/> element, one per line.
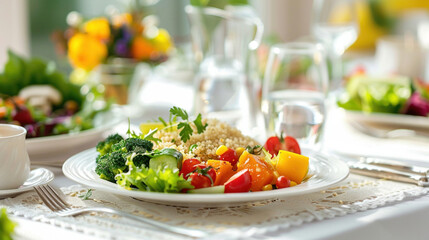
<point x="274" y="144"/>
<point x="207" y="171"/>
<point x="239" y="182"/>
<point x="282" y="182"/>
<point x="188" y="166"/>
<point x="203" y="176"/>
<point x="230" y="156"/>
<point x="198" y="180"/>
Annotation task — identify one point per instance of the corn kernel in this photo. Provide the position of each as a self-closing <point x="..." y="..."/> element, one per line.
<point x="267" y="187"/>
<point x="221" y="150"/>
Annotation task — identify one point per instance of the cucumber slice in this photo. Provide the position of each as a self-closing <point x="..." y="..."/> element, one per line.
<point x="166" y="158"/>
<point x="208" y="190"/>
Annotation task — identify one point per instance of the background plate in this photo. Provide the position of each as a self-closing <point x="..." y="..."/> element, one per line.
<point x="324" y="172"/>
<point x="389" y="118"/>
<point x="60" y="147"/>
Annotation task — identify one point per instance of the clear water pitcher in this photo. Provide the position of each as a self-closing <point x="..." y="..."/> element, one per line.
<point x="224" y="44"/>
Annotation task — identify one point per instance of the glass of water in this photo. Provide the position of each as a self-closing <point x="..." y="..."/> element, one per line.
<point x="335" y="25"/>
<point x="294" y="92"/>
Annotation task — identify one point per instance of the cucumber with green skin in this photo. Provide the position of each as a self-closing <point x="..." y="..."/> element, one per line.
<point x="166" y="158"/>
<point x="208" y="190"/>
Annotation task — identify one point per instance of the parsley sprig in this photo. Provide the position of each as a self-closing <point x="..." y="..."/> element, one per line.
<point x="184" y="126"/>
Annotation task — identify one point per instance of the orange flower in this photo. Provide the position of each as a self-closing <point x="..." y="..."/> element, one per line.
<point x="122" y="19"/>
<point x="85" y="51"/>
<point x="98" y="28"/>
<point x="142" y="49"/>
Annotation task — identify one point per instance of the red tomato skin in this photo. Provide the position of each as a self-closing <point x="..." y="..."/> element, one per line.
<point x="273" y="145"/>
<point x="282" y="182"/>
<point x="188" y="166"/>
<point x="211" y="172"/>
<point x="230" y="155"/>
<point x="199" y="181"/>
<point x="239" y="182"/>
<point x="291" y="145"/>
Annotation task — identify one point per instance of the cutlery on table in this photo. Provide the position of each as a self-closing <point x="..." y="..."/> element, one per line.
<point x="383" y="133"/>
<point x="379" y="167"/>
<point x="54" y="202"/>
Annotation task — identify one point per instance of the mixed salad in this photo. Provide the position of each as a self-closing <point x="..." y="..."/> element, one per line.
<point x="133" y="163"/>
<point x="395" y="94"/>
<point x="35" y="95"/>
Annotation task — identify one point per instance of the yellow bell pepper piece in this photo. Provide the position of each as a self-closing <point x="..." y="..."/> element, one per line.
<point x="293" y="166"/>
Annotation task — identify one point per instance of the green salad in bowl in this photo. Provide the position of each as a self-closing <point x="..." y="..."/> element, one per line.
<point x="395" y="94"/>
<point x="38" y="97"/>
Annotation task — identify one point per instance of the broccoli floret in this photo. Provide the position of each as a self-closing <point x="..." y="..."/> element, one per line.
<point x="141" y="160"/>
<point x="105" y="146"/>
<point x="117" y="162"/>
<point x="103" y="168"/>
<point x="109" y="165"/>
<point x="138" y="145"/>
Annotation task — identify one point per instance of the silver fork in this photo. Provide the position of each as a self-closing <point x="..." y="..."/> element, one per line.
<point x="381" y="133"/>
<point x="54" y="202"/>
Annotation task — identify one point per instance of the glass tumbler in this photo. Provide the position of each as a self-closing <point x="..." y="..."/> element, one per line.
<point x="294" y="92"/>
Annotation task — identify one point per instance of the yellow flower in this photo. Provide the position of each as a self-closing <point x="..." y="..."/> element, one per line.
<point x="142" y="49"/>
<point x="98" y="27"/>
<point x="85" y="51"/>
<point x="162" y="41"/>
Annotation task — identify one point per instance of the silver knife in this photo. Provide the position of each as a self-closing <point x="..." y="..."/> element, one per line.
<point x="387" y="173"/>
<point x="397" y="165"/>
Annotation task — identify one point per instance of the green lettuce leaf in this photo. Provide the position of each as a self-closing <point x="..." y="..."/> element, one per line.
<point x="7" y="226"/>
<point x="150" y="180"/>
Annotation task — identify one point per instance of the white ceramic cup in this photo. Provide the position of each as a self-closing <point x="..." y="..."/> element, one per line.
<point x="14" y="160"/>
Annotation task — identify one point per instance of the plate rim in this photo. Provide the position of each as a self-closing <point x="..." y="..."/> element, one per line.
<point x="21" y="189"/>
<point x="340" y="167"/>
<point x="376" y="117"/>
<point x="88" y="132"/>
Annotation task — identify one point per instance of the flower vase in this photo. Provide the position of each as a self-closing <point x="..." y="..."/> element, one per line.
<point x="121" y="80"/>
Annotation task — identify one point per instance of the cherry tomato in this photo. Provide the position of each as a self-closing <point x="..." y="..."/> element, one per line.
<point x="291" y="145"/>
<point x="229" y="155"/>
<point x="274" y="144"/>
<point x="207" y="171"/>
<point x="188" y="166"/>
<point x="239" y="182"/>
<point x="198" y="180"/>
<point x="282" y="182"/>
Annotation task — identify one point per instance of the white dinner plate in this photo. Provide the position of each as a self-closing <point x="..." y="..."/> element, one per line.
<point x="46" y="149"/>
<point x="324" y="171"/>
<point x="38" y="176"/>
<point x="389" y="118"/>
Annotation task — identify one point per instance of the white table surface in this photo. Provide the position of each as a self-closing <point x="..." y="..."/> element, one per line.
<point x="403" y="220"/>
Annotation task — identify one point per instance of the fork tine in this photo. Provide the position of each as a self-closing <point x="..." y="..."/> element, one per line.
<point x="46" y="200"/>
<point x="53" y="196"/>
<point x="56" y="196"/>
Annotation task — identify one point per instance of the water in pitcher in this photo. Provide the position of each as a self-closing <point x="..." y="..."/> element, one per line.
<point x="222" y="93"/>
<point x="297" y="113"/>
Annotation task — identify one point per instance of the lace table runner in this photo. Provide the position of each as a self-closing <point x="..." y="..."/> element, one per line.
<point x="356" y="193"/>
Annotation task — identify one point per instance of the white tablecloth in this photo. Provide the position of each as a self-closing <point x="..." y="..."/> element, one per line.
<point x="397" y="220"/>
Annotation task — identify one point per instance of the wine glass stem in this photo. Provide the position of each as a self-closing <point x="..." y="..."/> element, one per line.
<point x="337" y="71"/>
